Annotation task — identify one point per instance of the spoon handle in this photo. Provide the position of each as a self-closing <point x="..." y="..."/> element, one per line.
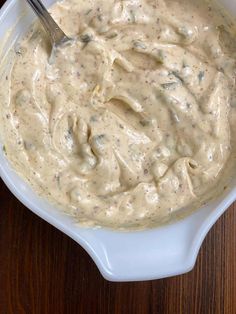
<point x="54" y="31"/>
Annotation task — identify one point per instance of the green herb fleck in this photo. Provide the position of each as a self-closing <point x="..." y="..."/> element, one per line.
<point x="4" y="149"/>
<point x="220" y="69"/>
<point x="160" y="55"/>
<point x="100" y="139"/>
<point x="132" y="14"/>
<point x="185" y="32"/>
<point x="176" y="74"/>
<point x="170" y="86"/>
<point x="139" y="44"/>
<point x="144" y="122"/>
<point x="112" y="35"/>
<point x="100" y="136"/>
<point x="93" y="119"/>
<point x="184" y="65"/>
<point x="100" y="17"/>
<point x="201" y="76"/>
<point x="85" y="38"/>
<point x="28" y="145"/>
<point x="192" y="165"/>
<point x="19" y="50"/>
<point x="57" y="178"/>
<point x="233" y="104"/>
<point x="174" y="116"/>
<point x="89" y="11"/>
<point x="69" y="134"/>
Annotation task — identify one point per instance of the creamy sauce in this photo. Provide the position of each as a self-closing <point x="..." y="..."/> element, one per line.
<point x="129" y="124"/>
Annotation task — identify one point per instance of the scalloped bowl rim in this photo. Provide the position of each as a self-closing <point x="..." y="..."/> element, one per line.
<point x="120" y="256"/>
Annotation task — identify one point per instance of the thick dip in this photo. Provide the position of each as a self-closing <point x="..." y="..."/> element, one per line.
<point x="128" y="124"/>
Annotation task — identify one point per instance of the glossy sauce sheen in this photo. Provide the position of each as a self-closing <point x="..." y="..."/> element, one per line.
<point x="128" y="124"/>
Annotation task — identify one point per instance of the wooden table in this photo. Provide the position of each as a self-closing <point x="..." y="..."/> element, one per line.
<point x="43" y="271"/>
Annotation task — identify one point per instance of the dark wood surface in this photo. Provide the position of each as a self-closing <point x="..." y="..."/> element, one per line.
<point x="43" y="271"/>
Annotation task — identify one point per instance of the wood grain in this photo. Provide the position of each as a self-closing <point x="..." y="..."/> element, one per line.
<point x="42" y="271"/>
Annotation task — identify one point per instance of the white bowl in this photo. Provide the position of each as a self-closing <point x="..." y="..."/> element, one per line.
<point x="120" y="256"/>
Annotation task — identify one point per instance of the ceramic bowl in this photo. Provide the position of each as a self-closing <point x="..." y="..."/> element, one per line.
<point x="120" y="256"/>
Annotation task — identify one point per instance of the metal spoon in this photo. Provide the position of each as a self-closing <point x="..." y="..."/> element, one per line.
<point x="56" y="35"/>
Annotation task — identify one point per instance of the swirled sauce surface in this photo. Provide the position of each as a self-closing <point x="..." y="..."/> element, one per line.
<point x="128" y="124"/>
